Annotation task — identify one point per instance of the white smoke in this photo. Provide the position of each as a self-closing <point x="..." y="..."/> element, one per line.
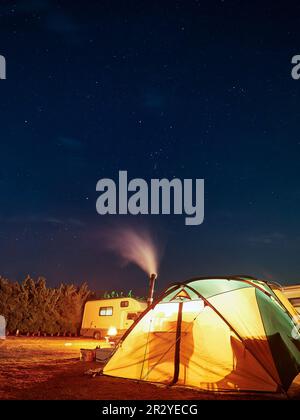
<point x="134" y="246"/>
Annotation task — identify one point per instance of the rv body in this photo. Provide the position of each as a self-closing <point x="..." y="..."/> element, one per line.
<point x="293" y="294"/>
<point x="106" y="317"/>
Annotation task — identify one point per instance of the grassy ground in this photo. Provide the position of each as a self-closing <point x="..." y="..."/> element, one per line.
<point x="49" y="368"/>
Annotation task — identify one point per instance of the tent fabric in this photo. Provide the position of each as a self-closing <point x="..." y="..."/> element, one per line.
<point x="287" y="304"/>
<point x="283" y="347"/>
<point x="222" y="334"/>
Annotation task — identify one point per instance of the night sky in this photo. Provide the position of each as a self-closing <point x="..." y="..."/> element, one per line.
<point x="187" y="89"/>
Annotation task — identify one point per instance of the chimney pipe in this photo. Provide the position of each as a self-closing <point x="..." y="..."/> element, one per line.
<point x="151" y="288"/>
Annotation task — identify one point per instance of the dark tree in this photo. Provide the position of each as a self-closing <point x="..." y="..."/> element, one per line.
<point x="32" y="307"/>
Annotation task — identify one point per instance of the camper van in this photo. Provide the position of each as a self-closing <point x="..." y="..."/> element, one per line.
<point x="110" y="317"/>
<point x="293" y="295"/>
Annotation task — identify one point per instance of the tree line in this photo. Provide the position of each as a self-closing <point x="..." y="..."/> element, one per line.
<point x="31" y="307"/>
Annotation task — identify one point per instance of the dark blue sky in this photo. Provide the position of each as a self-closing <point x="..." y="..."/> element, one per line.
<point x="192" y="89"/>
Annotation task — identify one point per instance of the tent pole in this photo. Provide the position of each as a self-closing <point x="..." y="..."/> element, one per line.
<point x="177" y="348"/>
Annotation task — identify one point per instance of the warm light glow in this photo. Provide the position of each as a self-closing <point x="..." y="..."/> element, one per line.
<point x="169" y="309"/>
<point x="166" y="309"/>
<point x="194" y="306"/>
<point x="112" y="331"/>
<point x="163" y="314"/>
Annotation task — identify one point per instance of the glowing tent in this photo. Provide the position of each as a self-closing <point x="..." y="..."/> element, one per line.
<point x="218" y="334"/>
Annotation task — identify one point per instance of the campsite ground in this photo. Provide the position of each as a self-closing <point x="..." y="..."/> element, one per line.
<point x="49" y="368"/>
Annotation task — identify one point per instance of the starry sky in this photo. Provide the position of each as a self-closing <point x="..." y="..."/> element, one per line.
<point x="187" y="89"/>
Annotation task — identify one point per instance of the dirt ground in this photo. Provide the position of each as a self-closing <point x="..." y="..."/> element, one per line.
<point x="49" y="368"/>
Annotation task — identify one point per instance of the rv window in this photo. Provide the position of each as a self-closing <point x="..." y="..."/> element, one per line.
<point x="132" y="316"/>
<point x="295" y="301"/>
<point x="106" y="311"/>
<point x="124" y="303"/>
